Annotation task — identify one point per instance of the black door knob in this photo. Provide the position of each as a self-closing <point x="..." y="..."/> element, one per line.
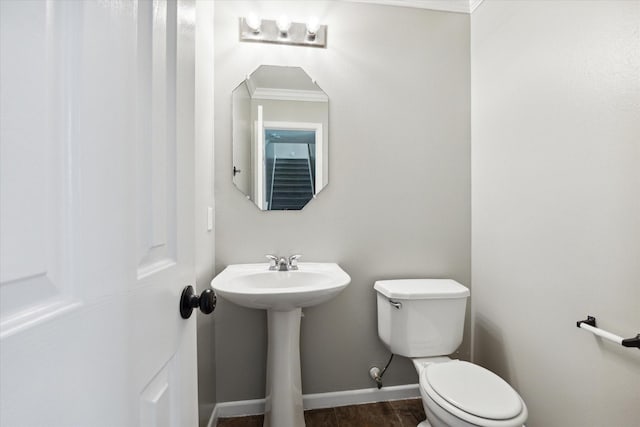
<point x="190" y="300"/>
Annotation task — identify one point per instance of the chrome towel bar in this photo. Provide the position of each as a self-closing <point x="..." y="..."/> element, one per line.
<point x="590" y="325"/>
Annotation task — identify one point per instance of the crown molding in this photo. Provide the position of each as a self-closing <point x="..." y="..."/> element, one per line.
<point x="473" y="5"/>
<point x="458" y="6"/>
<point x="290" y="95"/>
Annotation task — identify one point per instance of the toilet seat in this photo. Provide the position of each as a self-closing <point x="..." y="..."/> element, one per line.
<point x="473" y="394"/>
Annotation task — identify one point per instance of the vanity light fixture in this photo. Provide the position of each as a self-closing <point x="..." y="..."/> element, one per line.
<point x="284" y="24"/>
<point x="254" y="23"/>
<point x="283" y="31"/>
<point x="313" y="25"/>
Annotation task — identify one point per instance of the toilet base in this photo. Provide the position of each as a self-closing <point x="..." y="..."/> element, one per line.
<point x="425" y="423"/>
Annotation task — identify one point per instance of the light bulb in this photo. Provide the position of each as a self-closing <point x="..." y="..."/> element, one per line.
<point x="313" y="25"/>
<point x="283" y="23"/>
<point x="254" y="23"/>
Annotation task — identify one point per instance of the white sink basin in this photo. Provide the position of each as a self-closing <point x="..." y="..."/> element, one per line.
<point x="282" y="294"/>
<point x="254" y="286"/>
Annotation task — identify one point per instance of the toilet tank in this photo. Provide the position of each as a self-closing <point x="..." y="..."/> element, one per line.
<point x="421" y="317"/>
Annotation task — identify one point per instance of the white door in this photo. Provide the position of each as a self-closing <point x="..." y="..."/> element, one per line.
<point x="260" y="162"/>
<point x="96" y="213"/>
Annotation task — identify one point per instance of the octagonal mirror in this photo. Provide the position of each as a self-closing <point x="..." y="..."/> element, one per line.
<point x="280" y="138"/>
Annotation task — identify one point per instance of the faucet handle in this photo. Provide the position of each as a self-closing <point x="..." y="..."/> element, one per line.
<point x="293" y="261"/>
<point x="273" y="261"/>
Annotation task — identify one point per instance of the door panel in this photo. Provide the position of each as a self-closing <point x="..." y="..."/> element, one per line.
<point x="157" y="124"/>
<point x="34" y="244"/>
<point x="96" y="213"/>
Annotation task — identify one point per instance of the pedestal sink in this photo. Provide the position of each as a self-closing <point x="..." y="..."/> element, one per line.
<point x="282" y="294"/>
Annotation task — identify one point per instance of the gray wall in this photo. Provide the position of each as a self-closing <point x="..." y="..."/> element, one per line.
<point x="398" y="200"/>
<point x="556" y="204"/>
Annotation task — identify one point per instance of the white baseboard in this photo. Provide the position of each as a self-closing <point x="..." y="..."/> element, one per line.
<point x="358" y="397"/>
<point x="318" y="401"/>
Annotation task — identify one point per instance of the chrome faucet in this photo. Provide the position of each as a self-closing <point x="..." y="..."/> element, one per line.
<point x="277" y="263"/>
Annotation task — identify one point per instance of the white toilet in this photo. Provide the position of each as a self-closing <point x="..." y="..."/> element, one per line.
<point x="423" y="319"/>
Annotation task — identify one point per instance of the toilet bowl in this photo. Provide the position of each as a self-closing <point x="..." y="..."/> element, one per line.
<point x="423" y="319"/>
<point x="462" y="394"/>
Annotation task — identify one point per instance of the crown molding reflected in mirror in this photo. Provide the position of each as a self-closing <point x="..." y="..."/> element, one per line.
<point x="280" y="138"/>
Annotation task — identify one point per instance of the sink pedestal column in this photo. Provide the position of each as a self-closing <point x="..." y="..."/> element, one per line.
<point x="283" y="403"/>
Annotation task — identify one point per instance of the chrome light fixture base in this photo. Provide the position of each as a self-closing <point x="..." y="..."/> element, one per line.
<point x="297" y="34"/>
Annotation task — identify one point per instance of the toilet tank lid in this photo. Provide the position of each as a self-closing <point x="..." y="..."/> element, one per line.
<point x="421" y="289"/>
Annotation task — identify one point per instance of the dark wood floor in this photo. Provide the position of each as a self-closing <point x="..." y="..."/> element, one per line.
<point x="398" y="413"/>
